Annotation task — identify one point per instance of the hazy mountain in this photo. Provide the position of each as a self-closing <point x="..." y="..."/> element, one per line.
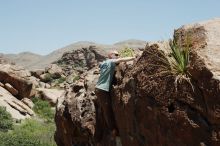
<point x="34" y="61"/>
<point x="132" y="43"/>
<point x="23" y="59"/>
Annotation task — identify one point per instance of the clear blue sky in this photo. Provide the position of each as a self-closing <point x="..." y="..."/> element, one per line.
<point x="41" y="26"/>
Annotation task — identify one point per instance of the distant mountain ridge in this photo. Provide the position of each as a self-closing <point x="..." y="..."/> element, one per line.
<point x="33" y="61"/>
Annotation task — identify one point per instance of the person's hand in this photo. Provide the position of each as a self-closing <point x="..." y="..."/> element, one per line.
<point x="137" y="56"/>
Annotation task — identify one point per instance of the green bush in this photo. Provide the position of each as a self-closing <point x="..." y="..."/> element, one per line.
<point x="126" y="52"/>
<point x="29" y="133"/>
<point x="61" y="80"/>
<point x="76" y="77"/>
<point x="43" y="109"/>
<point x="57" y="82"/>
<point x="6" y="121"/>
<point x="79" y="63"/>
<point x="48" y="77"/>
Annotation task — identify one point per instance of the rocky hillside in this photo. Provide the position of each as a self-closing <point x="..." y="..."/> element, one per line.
<point x="152" y="105"/>
<point x="19" y="86"/>
<point x="33" y="61"/>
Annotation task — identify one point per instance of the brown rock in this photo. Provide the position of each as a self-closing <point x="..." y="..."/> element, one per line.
<point x="50" y="95"/>
<point x="78" y="61"/>
<point x="55" y="71"/>
<point x="11" y="89"/>
<point x="205" y="63"/>
<point x="36" y="73"/>
<point x="35" y="81"/>
<point x="2" y="85"/>
<point x="46" y="77"/>
<point x="79" y="122"/>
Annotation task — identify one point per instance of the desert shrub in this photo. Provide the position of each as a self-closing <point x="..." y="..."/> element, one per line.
<point x="29" y="133"/>
<point x="43" y="109"/>
<point x="60" y="62"/>
<point x="57" y="82"/>
<point x="48" y="77"/>
<point x="79" y="63"/>
<point x="61" y="80"/>
<point x="76" y="77"/>
<point x="175" y="63"/>
<point x="126" y="52"/>
<point x="6" y="121"/>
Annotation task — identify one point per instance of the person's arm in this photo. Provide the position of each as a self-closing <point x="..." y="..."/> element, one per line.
<point x="124" y="59"/>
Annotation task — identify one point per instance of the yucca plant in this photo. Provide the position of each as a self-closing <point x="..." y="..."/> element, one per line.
<point x="179" y="58"/>
<point x="179" y="61"/>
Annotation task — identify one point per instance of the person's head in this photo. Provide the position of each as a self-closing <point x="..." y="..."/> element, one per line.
<point x="113" y="54"/>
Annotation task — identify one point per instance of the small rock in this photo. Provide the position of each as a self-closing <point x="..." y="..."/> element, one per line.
<point x="1" y="84"/>
<point x="47" y="85"/>
<point x="37" y="73"/>
<point x="28" y="102"/>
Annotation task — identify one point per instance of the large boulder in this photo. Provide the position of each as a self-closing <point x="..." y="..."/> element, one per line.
<point x="50" y="95"/>
<point x="18" y="78"/>
<point x="150" y="110"/>
<point x="55" y="71"/>
<point x="75" y="113"/>
<point x="76" y="109"/>
<point x="204" y="39"/>
<point x="75" y="117"/>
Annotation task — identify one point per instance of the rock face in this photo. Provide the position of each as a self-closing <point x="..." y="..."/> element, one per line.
<point x="205" y="64"/>
<point x="81" y="60"/>
<point x="150" y="108"/>
<point x="75" y="110"/>
<point x="55" y="71"/>
<point x="75" y="118"/>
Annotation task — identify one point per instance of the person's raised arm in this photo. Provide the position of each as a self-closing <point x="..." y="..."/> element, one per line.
<point x="124" y="59"/>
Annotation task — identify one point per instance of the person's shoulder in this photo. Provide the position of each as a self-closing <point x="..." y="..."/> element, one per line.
<point x="109" y="61"/>
<point x="106" y="62"/>
<point x="112" y="60"/>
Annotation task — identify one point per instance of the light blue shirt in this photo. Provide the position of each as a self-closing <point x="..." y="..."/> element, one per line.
<point x="107" y="69"/>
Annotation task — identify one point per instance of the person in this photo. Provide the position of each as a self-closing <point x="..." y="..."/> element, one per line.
<point x="103" y="87"/>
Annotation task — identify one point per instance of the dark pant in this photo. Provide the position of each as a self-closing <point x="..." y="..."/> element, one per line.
<point x="104" y="101"/>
